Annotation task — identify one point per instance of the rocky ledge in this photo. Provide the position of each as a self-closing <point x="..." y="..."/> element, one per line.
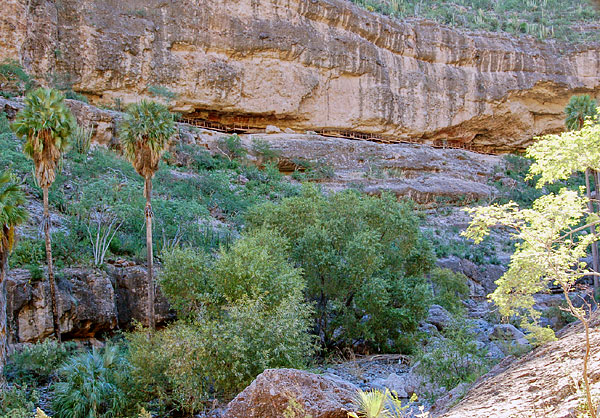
<point x="305" y="65"/>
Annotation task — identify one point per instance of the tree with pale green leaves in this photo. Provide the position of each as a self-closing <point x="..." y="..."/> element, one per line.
<point x="550" y="242"/>
<point x="47" y="124"/>
<point x="558" y="157"/>
<point x="145" y="132"/>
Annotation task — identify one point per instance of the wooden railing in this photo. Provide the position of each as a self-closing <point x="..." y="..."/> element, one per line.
<point x="336" y="133"/>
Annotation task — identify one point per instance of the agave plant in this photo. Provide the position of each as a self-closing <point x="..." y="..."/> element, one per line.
<point x="578" y="110"/>
<point x="46" y="123"/>
<point x="12" y="214"/>
<point x="378" y="404"/>
<point x="144" y="133"/>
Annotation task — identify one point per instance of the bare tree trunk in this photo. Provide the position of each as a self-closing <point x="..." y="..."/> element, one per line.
<point x="148" y="213"/>
<point x="581" y="315"/>
<point x="592" y="228"/>
<point x="3" y="317"/>
<point x="46" y="221"/>
<point x="586" y="360"/>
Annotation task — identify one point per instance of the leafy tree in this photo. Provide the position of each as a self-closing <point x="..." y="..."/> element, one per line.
<point x="578" y="110"/>
<point x="145" y="132"/>
<point x="557" y="157"/>
<point x="364" y="260"/>
<point x="12" y="214"/>
<point x="46" y="123"/>
<point x="242" y="313"/>
<point x="549" y="246"/>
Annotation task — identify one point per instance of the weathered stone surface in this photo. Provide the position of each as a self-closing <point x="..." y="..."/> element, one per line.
<point x="132" y="294"/>
<point x="439" y="317"/>
<point x="305" y="65"/>
<point x="538" y="384"/>
<point x="270" y="394"/>
<point x="86" y="303"/>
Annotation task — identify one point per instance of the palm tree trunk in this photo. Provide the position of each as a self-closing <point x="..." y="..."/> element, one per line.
<point x="3" y="317"/>
<point x="46" y="221"/>
<point x="148" y="213"/>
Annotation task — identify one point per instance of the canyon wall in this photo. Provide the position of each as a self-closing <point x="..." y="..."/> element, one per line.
<point x="305" y="65"/>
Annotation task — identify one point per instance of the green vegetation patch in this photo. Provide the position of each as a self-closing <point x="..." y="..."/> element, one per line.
<point x="567" y="20"/>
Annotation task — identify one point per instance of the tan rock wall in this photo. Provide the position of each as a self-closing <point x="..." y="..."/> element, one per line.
<point x="306" y="65"/>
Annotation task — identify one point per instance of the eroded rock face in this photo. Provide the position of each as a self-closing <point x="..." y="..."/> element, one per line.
<point x="90" y="302"/>
<point x="276" y="390"/>
<point x="542" y="383"/>
<point x="305" y="65"/>
<point x="86" y="303"/>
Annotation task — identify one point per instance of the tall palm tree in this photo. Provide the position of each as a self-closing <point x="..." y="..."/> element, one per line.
<point x="46" y="123"/>
<point x="145" y="132"/>
<point x="578" y="110"/>
<point x="12" y="214"/>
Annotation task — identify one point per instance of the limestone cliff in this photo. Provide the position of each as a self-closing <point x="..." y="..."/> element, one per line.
<point x="305" y="64"/>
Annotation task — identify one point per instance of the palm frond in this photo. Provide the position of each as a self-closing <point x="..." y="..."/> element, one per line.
<point x="144" y="133"/>
<point x="12" y="210"/>
<point x="46" y="123"/>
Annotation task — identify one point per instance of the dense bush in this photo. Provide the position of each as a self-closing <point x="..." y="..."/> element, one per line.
<point x="36" y="364"/>
<point x="93" y="385"/>
<point x="453" y="357"/>
<point x="364" y="260"/>
<point x="17" y="402"/>
<point x="449" y="289"/>
<point x="244" y="312"/>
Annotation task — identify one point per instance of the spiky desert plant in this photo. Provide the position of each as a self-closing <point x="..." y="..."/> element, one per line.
<point x="377" y="404"/>
<point x="578" y="110"/>
<point x="144" y="133"/>
<point x="12" y="214"/>
<point x="46" y="123"/>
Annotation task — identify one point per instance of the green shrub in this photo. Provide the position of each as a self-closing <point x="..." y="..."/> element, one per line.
<point x="245" y="312"/>
<point x="256" y="267"/>
<point x="93" y="385"/>
<point x="264" y="150"/>
<point x="453" y="358"/>
<point x="14" y="80"/>
<point x="18" y="402"/>
<point x="36" y="364"/>
<point x="231" y="147"/>
<point x="186" y="280"/>
<point x="218" y="356"/>
<point x="364" y="260"/>
<point x="28" y="252"/>
<point x="449" y="289"/>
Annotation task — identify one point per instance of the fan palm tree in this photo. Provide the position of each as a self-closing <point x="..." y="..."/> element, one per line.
<point x="578" y="110"/>
<point x="144" y="133"/>
<point x="12" y="214"/>
<point x="46" y="123"/>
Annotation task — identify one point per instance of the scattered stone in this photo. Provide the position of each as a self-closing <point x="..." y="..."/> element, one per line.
<point x="439" y="317"/>
<point x="276" y="390"/>
<point x="272" y="129"/>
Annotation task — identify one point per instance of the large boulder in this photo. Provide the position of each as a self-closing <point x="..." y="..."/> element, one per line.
<point x="439" y="317"/>
<point x="276" y="390"/>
